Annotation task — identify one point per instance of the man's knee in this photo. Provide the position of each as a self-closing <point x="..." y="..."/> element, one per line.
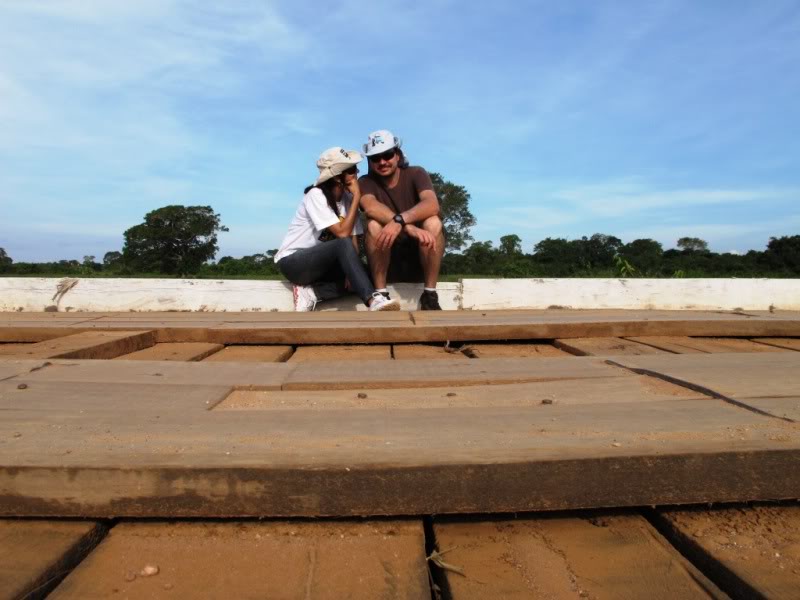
<point x="374" y="228"/>
<point x="433" y="225"/>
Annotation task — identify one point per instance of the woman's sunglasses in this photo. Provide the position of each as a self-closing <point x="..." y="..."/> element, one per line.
<point x="351" y="171"/>
<point x="388" y="155"/>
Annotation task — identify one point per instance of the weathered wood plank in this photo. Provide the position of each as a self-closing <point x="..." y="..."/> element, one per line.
<point x="251" y="354"/>
<point x="225" y="463"/>
<point x="245" y="375"/>
<point x="599" y="556"/>
<point x="607" y="346"/>
<point x="35" y="555"/>
<point x="787" y="343"/>
<point x="636" y="389"/>
<point x="693" y="345"/>
<point x="419" y="373"/>
<point x="181" y="351"/>
<point x="426" y="352"/>
<point x="425" y="326"/>
<point x="732" y="375"/>
<point x="532" y="350"/>
<point x="752" y="552"/>
<point x="382" y="559"/>
<point x="89" y="345"/>
<point x="341" y="352"/>
<point x="114" y="398"/>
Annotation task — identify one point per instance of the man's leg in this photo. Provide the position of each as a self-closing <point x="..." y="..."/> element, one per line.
<point x="378" y="259"/>
<point x="431" y="258"/>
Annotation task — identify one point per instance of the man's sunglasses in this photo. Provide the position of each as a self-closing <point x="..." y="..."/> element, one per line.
<point x="388" y="155"/>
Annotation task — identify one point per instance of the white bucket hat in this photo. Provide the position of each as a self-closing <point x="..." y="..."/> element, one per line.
<point x="381" y="141"/>
<point x="335" y="161"/>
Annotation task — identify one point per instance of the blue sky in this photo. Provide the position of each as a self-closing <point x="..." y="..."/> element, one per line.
<point x="639" y="119"/>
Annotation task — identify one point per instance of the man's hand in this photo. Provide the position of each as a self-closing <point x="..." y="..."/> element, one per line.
<point x="388" y="235"/>
<point x="425" y="238"/>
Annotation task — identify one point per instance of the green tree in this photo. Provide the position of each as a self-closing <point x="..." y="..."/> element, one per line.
<point x="174" y="240"/>
<point x="454" y="212"/>
<point x="644" y="254"/>
<point x="692" y="244"/>
<point x="112" y="259"/>
<point x="511" y="245"/>
<point x="5" y="261"/>
<point x="784" y="253"/>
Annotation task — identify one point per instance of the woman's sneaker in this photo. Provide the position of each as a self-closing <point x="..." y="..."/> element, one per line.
<point x="381" y="302"/>
<point x="429" y="300"/>
<point x="305" y="300"/>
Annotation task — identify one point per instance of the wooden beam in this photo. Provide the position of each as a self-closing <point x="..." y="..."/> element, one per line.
<point x="390" y="461"/>
<point x="751" y="552"/>
<point x="693" y="345"/>
<point x="592" y="556"/>
<point x="341" y="352"/>
<point x="182" y="352"/>
<point x="605" y="346"/>
<point x="251" y="354"/>
<point x="36" y="555"/>
<point x="326" y="560"/>
<point x="88" y="345"/>
<point x="787" y="343"/>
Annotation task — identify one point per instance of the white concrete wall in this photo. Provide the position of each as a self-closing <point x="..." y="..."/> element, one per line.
<point x="104" y="295"/>
<point x="655" y="294"/>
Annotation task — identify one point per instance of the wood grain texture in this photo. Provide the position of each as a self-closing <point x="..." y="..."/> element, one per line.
<point x="181" y="351"/>
<point x="341" y="352"/>
<point x="325" y="560"/>
<point x="694" y="345"/>
<point x="787" y="343"/>
<point x="612" y="557"/>
<point x="607" y="346"/>
<point x="251" y="354"/>
<point x="88" y="345"/>
<point x="751" y="552"/>
<point x="36" y="555"/>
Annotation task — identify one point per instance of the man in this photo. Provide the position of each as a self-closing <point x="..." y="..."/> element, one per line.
<point x="404" y="231"/>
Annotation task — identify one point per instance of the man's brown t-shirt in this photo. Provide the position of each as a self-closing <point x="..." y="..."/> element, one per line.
<point x="404" y="195"/>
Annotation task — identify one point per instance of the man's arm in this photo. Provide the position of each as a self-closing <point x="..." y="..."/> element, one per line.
<point x="428" y="206"/>
<point x="375" y="210"/>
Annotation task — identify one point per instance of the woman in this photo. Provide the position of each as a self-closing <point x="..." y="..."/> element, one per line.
<point x="320" y="246"/>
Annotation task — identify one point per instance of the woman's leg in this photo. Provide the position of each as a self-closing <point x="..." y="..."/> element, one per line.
<point x="311" y="265"/>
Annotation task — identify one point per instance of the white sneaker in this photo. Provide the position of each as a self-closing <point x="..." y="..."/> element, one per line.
<point x="305" y="300"/>
<point x="381" y="302"/>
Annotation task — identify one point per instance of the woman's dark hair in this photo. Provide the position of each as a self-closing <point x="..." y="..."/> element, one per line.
<point x="327" y="188"/>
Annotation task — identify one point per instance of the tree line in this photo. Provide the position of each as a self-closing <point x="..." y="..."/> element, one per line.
<point x="181" y="241"/>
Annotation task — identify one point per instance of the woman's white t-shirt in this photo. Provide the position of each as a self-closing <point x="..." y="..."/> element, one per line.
<point x="313" y="216"/>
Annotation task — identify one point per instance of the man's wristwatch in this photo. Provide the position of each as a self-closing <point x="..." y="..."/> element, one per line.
<point x="398" y="218"/>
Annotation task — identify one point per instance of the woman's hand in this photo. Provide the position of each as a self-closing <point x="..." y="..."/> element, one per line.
<point x="351" y="185"/>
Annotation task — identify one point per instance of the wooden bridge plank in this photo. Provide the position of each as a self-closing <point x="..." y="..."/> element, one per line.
<point x="530" y="350"/>
<point x="35" y="555"/>
<point x="603" y="390"/>
<point x="383" y="559"/>
<point x="694" y="345"/>
<point x="735" y="375"/>
<point x="606" y="346"/>
<point x="341" y="352"/>
<point x="419" y="373"/>
<point x="88" y="345"/>
<point x="224" y="463"/>
<point x="787" y="343"/>
<point x="180" y="351"/>
<point x="425" y="351"/>
<point x="615" y="556"/>
<point x="751" y="551"/>
<point x="251" y="354"/>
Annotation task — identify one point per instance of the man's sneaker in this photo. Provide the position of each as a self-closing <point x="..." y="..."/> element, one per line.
<point x="304" y="298"/>
<point x="429" y="300"/>
<point x="385" y="295"/>
<point x="381" y="302"/>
